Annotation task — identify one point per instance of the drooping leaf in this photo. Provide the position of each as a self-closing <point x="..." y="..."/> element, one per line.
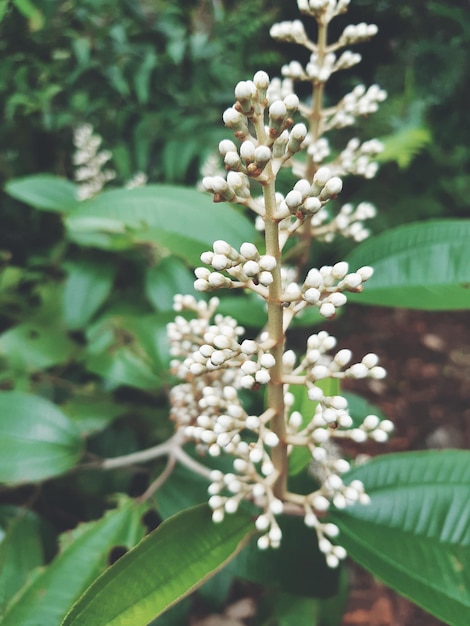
<point x="87" y="286"/>
<point x="415" y="533"/>
<point x="37" y="440"/>
<point x="167" y="565"/>
<point x="50" y="595"/>
<point x="418" y="266"/>
<point x="44" y="192"/>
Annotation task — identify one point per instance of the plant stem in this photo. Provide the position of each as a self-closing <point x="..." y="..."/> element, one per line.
<point x="275" y="392"/>
<point x="314" y="122"/>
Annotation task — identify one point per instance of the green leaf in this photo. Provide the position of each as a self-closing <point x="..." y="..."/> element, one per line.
<point x="31" y="347"/>
<point x="158" y="572"/>
<point x="247" y="309"/>
<point x="50" y="595"/>
<point x="88" y="285"/>
<point x="301" y="457"/>
<point x="415" y="533"/>
<point x="404" y="145"/>
<point x="425" y="265"/>
<point x="184" y="221"/>
<point x="359" y="408"/>
<point x="37" y="440"/>
<point x="21" y="551"/>
<point x="165" y="280"/>
<point x="44" y="192"/>
<point x="91" y="415"/>
<point x="129" y="350"/>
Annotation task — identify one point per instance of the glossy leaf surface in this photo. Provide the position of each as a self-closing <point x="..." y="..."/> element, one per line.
<point x="184" y="221"/>
<point x="418" y="266"/>
<point x="415" y="533"/>
<point x="166" y="566"/>
<point x="37" y="440"/>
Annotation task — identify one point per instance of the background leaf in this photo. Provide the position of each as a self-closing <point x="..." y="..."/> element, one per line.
<point x="185" y="221"/>
<point x="37" y="440"/>
<point x="44" y="192"/>
<point x="88" y="285"/>
<point x="52" y="592"/>
<point x="415" y="533"/>
<point x="165" y="280"/>
<point x="417" y="266"/>
<point x="158" y="572"/>
<point x="21" y="550"/>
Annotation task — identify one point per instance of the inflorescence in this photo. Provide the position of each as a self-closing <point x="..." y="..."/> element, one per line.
<point x="212" y="356"/>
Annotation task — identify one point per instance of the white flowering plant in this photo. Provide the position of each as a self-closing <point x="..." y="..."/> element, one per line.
<point x="257" y="477"/>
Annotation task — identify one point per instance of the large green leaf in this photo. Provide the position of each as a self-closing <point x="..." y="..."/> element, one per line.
<point x="37" y="440"/>
<point x="88" y="285"/>
<point x="44" y="192"/>
<point x="184" y="221"/>
<point x="35" y="346"/>
<point x="49" y="596"/>
<point x="425" y="265"/>
<point x="415" y="533"/>
<point x="167" y="565"/>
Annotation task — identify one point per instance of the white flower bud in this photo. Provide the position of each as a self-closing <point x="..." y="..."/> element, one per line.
<point x="271" y="439"/>
<point x="226" y="145"/>
<point x="251" y="268"/>
<point x="261" y="80"/>
<point x="293" y="199"/>
<point x="322" y="176"/>
<point x="249" y="251"/>
<point x="267" y="361"/>
<point x="262" y="522"/>
<point x="327" y="309"/>
<point x="262" y="377"/>
<point x="267" y="262"/>
<point x="276" y="506"/>
<point x="334" y="186"/>
<point x="371" y="422"/>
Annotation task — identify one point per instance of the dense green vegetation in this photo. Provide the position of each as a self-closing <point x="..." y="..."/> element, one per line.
<point x="86" y="289"/>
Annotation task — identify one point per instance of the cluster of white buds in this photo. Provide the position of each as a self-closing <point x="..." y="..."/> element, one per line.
<point x="323" y="9"/>
<point x="359" y="102"/>
<point x="215" y="365"/>
<point x="357" y="157"/>
<point x="247" y="268"/>
<point x="89" y="161"/>
<point x="214" y="360"/>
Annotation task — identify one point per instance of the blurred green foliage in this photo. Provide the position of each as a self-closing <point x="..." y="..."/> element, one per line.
<point x="83" y="303"/>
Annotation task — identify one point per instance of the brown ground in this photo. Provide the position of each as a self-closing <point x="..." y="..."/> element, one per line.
<point x="427" y="395"/>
